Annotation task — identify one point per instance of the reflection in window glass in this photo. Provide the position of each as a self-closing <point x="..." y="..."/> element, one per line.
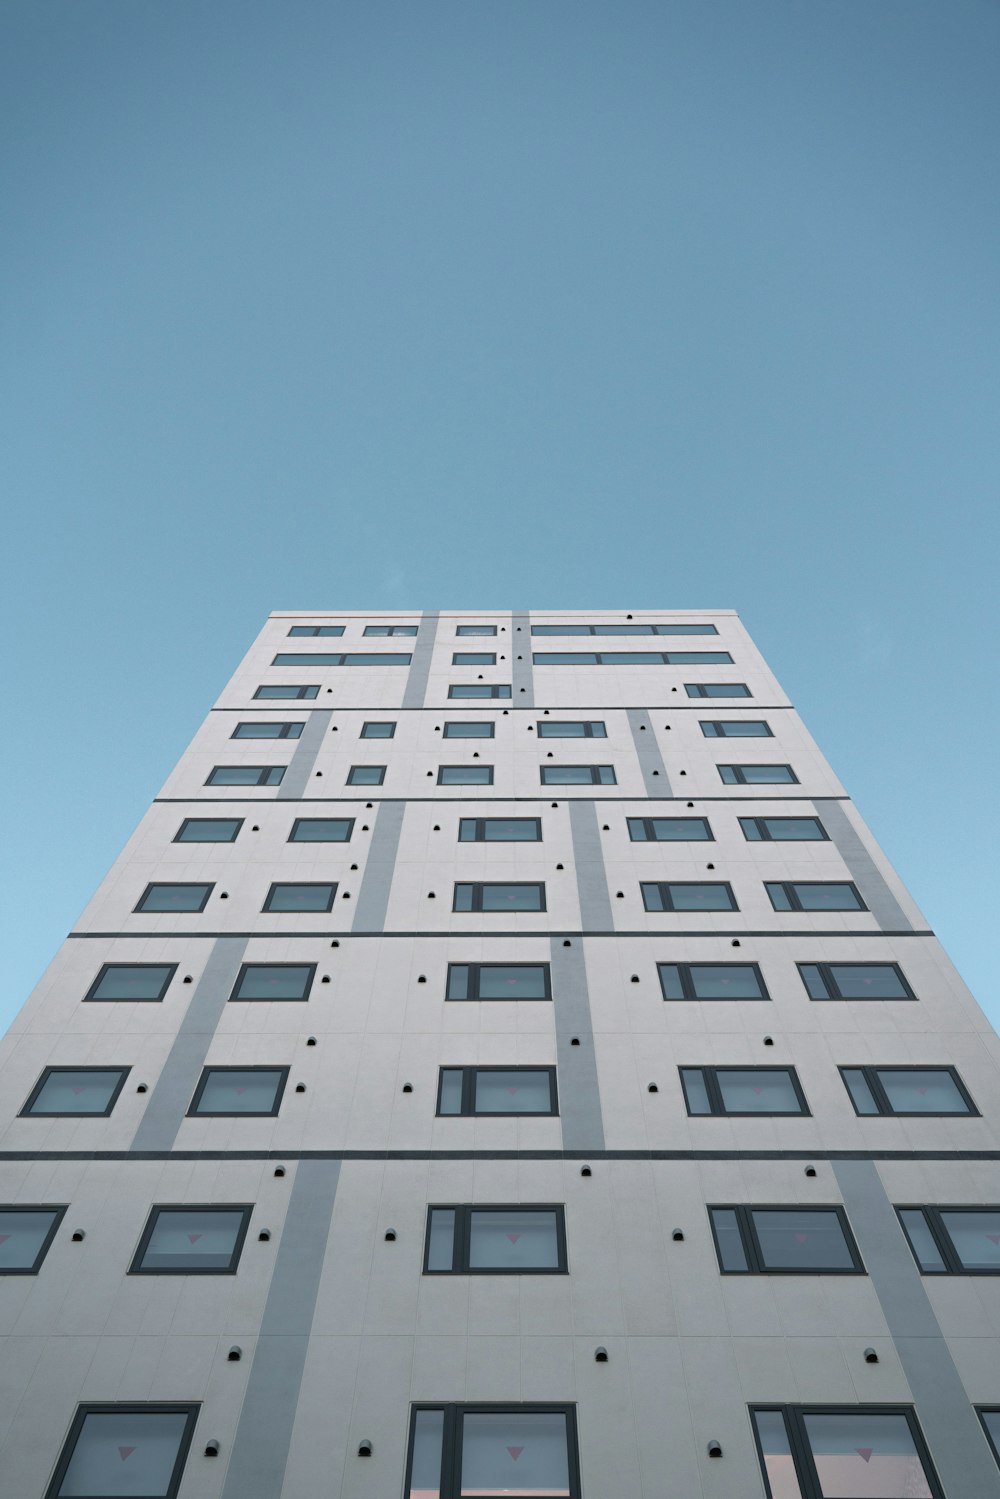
<point x="975" y="1236"/>
<point x="268" y="731"/>
<point x="237" y="1090"/>
<point x="756" y="1091"/>
<point x="456" y="730"/>
<point x="77" y="1090"/>
<point x="276" y="690"/>
<point x="758" y="775"/>
<point x="500" y="830"/>
<point x="468" y="630"/>
<point x="578" y="775"/>
<point x="191" y="1240"/>
<point x="814" y="895"/>
<point x="25" y="1236"/>
<point x="736" y="728"/>
<point x="135" y="1453"/>
<point x="777" y="1453"/>
<point x="854" y="981"/>
<point x="441" y="1240"/>
<point x="497" y="897"/>
<point x="513" y="1239"/>
<point x="274" y="981"/>
<point x="321" y="830"/>
<point x="925" y="1250"/>
<point x="991" y="1421"/>
<point x="918" y="1090"/>
<point x="571" y="729"/>
<point x="135" y="981"/>
<point x="174" y="898"/>
<point x="473" y="658"/>
<point x="208" y="830"/>
<point x="246" y="775"/>
<point x="865" y="1455"/>
<point x="717" y="689"/>
<point x="465" y="775"/>
<point x="674" y="896"/>
<point x="425" y="1455"/>
<point x="782" y="829"/>
<point x="711" y="981"/>
<point x="382" y="730"/>
<point x="514" y="1453"/>
<point x="478" y="689"/>
<point x="498" y="981"/>
<point x="328" y="630"/>
<point x="366" y="775"/>
<point x="520" y="1091"/>
<point x="801" y="1239"/>
<point x="312" y="897"/>
<point x="669" y="830"/>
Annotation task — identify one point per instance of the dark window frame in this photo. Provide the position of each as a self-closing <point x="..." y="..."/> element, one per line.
<point x="304" y="692"/>
<point x="92" y="997"/>
<point x="139" y="907"/>
<point x="764" y="834"/>
<point x="188" y="821"/>
<point x="684" y="972"/>
<point x="480" y="823"/>
<point x="236" y="998"/>
<point x="473" y="658"/>
<point x="451" y="1438"/>
<point x="456" y="723"/>
<point x="299" y="820"/>
<point x="285" y="725"/>
<point x="58" y="1214"/>
<point x="982" y="1411"/>
<point x="669" y="909"/>
<point x="331" y="885"/>
<point x="751" y="1241"/>
<point x="594" y="775"/>
<point x="475" y="969"/>
<point x="47" y="1072"/>
<point x="471" y="691"/>
<point x="740" y="778"/>
<point x="478" y="886"/>
<point x="470" y="632"/>
<point x="885" y="1110"/>
<point x="719" y="727"/>
<point x="718" y="1109"/>
<point x="834" y="994"/>
<point x="208" y="1070"/>
<point x="701" y="689"/>
<point x="610" y="629"/>
<point x="188" y="1409"/>
<point x="265" y="774"/>
<point x="384" y="632"/>
<point x="943" y="1242"/>
<point x="343" y="658"/>
<point x="544" y="726"/>
<point x="245" y="1208"/>
<point x="443" y="768"/>
<point x="378" y="723"/>
<point x="304" y="631"/>
<point x="655" y="658"/>
<point x="801" y="1451"/>
<point x="796" y="908"/>
<point x="350" y="775"/>
<point x="469" y="1075"/>
<point x="651" y="837"/>
<point x="462" y="1242"/>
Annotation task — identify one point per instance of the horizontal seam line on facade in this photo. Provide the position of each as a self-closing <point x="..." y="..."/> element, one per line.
<point x="491" y="801"/>
<point x="500" y="1155"/>
<point x="454" y="706"/>
<point x="463" y="936"/>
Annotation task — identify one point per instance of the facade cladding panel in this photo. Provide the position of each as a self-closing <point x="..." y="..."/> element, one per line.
<point x="332" y="1163"/>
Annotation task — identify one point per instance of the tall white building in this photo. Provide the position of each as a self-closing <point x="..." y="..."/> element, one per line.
<point x="501" y="1062"/>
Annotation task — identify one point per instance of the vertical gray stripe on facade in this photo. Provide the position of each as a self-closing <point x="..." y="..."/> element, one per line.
<point x="591" y="878"/>
<point x="300" y="767"/>
<point x="579" y="1093"/>
<point x="862" y="868"/>
<point x="522" y="674"/>
<point x="376" y="883"/>
<point x="420" y="660"/>
<point x="947" y="1418"/>
<point x="654" y="773"/>
<point x="169" y="1100"/>
<point x="264" y="1431"/>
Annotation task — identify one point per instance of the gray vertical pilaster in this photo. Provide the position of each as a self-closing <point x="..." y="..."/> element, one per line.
<point x="588" y="858"/>
<point x="420" y="660"/>
<point x="380" y="866"/>
<point x="300" y="768"/>
<point x="654" y="772"/>
<point x="522" y="671"/>
<point x="579" y="1093"/>
<point x="862" y="867"/>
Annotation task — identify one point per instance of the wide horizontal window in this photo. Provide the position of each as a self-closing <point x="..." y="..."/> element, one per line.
<point x="455" y="730"/>
<point x="758" y="775"/>
<point x="907" y="1090"/>
<point x="495" y="1241"/>
<point x="174" y="897"/>
<point x="208" y="830"/>
<point x="497" y="1090"/>
<point x="191" y="1241"/>
<point x="670" y="830"/>
<point x="855" y="981"/>
<point x="711" y="981"/>
<point x="226" y="1091"/>
<point x="742" y="1090"/>
<point x="953" y="1240"/>
<point x="578" y="775"/>
<point x="499" y="897"/>
<point x="277" y="690"/>
<point x="784" y="1241"/>
<point x="313" y="896"/>
<point x="782" y="829"/>
<point x="571" y="728"/>
<point x="390" y="629"/>
<point x="478" y="689"/>
<point x="702" y="895"/>
<point x="132" y="981"/>
<point x="316" y="630"/>
<point x="631" y="658"/>
<point x="500" y="830"/>
<point x="246" y="775"/>
<point x="717" y="689"/>
<point x="267" y="730"/>
<point x="384" y="729"/>
<point x="473" y="658"/>
<point x="134" y="1451"/>
<point x="366" y="775"/>
<point x="261" y="981"/>
<point x="25" y="1236"/>
<point x="73" y="1091"/>
<point x="518" y="1451"/>
<point x="498" y="981"/>
<point x="630" y="628"/>
<point x="361" y="658"/>
<point x="321" y="830"/>
<point x="469" y="630"/>
<point x="814" y="895"/>
<point x="843" y="1452"/>
<point x="465" y="775"/>
<point x="735" y="728"/>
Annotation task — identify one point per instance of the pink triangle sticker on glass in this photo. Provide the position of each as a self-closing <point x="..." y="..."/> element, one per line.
<point x="513" y="1238"/>
<point x="124" y="1452"/>
<point x="193" y="1238"/>
<point x="865" y="1453"/>
<point x="4" y="1238"/>
<point x="802" y="1238"/>
<point x="921" y="1091"/>
<point x="515" y="1452"/>
<point x="512" y="1090"/>
<point x="239" y="1090"/>
<point x="77" y="1090"/>
<point x="758" y="1090"/>
<point x="994" y="1238"/>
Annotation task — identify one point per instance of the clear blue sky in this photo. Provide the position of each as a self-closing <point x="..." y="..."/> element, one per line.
<point x="678" y="304"/>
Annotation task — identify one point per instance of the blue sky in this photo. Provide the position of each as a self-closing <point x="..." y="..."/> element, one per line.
<point x="556" y="305"/>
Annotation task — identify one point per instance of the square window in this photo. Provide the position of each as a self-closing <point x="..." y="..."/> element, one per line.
<point x="498" y="981"/>
<point x="473" y="658"/>
<point x="758" y="775"/>
<point x="383" y="730"/>
<point x="390" y="629"/>
<point x="736" y="728"/>
<point x="366" y="775"/>
<point x="521" y="1452"/>
<point x="475" y="629"/>
<point x="907" y="1090"/>
<point x="267" y="730"/>
<point x="316" y="630"/>
<point x="208" y="830"/>
<point x="814" y="895"/>
<point x="134" y="1451"/>
<point x="314" y="896"/>
<point x="669" y="830"/>
<point x="500" y="830"/>
<point x="191" y="1241"/>
<point x="174" y="897"/>
<point x="839" y="1451"/>
<point x="717" y="689"/>
<point x="455" y="730"/>
<point x="784" y="1241"/>
<point x="263" y="981"/>
<point x="854" y="981"/>
<point x="246" y="775"/>
<point x="499" y="897"/>
<point x="465" y="775"/>
<point x="740" y="981"/>
<point x="497" y="1090"/>
<point x="782" y="829"/>
<point x="954" y="1240"/>
<point x="73" y="1092"/>
<point x="571" y="728"/>
<point x="701" y="895"/>
<point x="142" y="982"/>
<point x="227" y="1091"/>
<point x="276" y="690"/>
<point x="25" y="1236"/>
<point x="478" y="689"/>
<point x="475" y="1240"/>
<point x="578" y="775"/>
<point x="742" y="1090"/>
<point x="321" y="830"/>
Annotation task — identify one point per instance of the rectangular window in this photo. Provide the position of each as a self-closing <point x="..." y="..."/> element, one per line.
<point x="267" y="730"/>
<point x="208" y="830"/>
<point x="631" y="658"/>
<point x="229" y="1091"/>
<point x="991" y="1426"/>
<point x="384" y="729"/>
<point x="474" y="1240"/>
<point x="571" y="728"/>
<point x="260" y="981"/>
<point x="843" y="1452"/>
<point x="626" y="629"/>
<point x="316" y="630"/>
<point x="321" y="830"/>
<point x="758" y="775"/>
<point x="498" y="981"/>
<point x="473" y="658"/>
<point x="500" y="830"/>
<point x="735" y="728"/>
<point x="363" y="658"/>
<point x="497" y="1090"/>
<point x="465" y="775"/>
<point x="497" y="897"/>
<point x="814" y="895"/>
<point x="454" y="730"/>
<point x="313" y="896"/>
<point x="174" y="897"/>
<point x="72" y="1092"/>
<point x="717" y="689"/>
<point x="390" y="629"/>
<point x="141" y="982"/>
<point x="670" y="830"/>
<point x="366" y="775"/>
<point x="191" y="1241"/>
<point x="25" y="1236"/>
<point x="578" y="775"/>
<point x="149" y="1441"/>
<point x="517" y="1451"/>
<point x="699" y="895"/>
<point x="478" y="689"/>
<point x="783" y="829"/>
<point x="784" y="1241"/>
<point x="246" y="775"/>
<point x="854" y="981"/>
<point x="475" y="630"/>
<point x="742" y="1090"/>
<point x="952" y="1240"/>
<point x="712" y="981"/>
<point x="907" y="1090"/>
<point x="278" y="690"/>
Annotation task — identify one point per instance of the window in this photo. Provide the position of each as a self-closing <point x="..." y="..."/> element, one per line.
<point x="473" y="658"/>
<point x="25" y="1236"/>
<point x="578" y="775"/>
<point x="267" y="730"/>
<point x="991" y="1425"/>
<point x="227" y="1091"/>
<point x="383" y="730"/>
<point x="317" y="630"/>
<point x="208" y="830"/>
<point x="717" y="689"/>
<point x="478" y="689"/>
<point x="571" y="728"/>
<point x="497" y="1090"/>
<point x="700" y="895"/>
<point x="169" y="897"/>
<point x="71" y="1092"/>
<point x="519" y="1451"/>
<point x="497" y="897"/>
<point x="191" y="1240"/>
<point x="475" y="629"/>
<point x="631" y="658"/>
<point x="257" y="981"/>
<point x="711" y="981"/>
<point x="456" y="730"/>
<point x="814" y="895"/>
<point x="742" y="1090"/>
<point x="390" y="629"/>
<point x="277" y="690"/>
<point x="784" y="1241"/>
<point x="132" y="981"/>
<point x="782" y="829"/>
<point x="907" y="1090"/>
<point x="953" y="1241"/>
<point x="246" y="775"/>
<point x="495" y="1241"/>
<point x="129" y="1450"/>
<point x="313" y="896"/>
<point x="758" y="775"/>
<point x="498" y="981"/>
<point x="854" y="981"/>
<point x="735" y="728"/>
<point x="465" y="775"/>
<point x="321" y="830"/>
<point x="670" y="830"/>
<point x="836" y="1451"/>
<point x="366" y="775"/>
<point x="364" y="658"/>
<point x="626" y="629"/>
<point x="500" y="830"/>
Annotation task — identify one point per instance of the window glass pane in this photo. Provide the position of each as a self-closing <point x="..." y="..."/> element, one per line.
<point x="726" y="981"/>
<point x="390" y="629"/>
<point x="633" y="658"/>
<point x="790" y="829"/>
<point x="605" y="775"/>
<point x="513" y="1239"/>
<point x="867" y="980"/>
<point x="801" y="1239"/>
<point x="300" y="898"/>
<point x="732" y="1255"/>
<point x="128" y="1453"/>
<point x="696" y="1090"/>
<point x="717" y="689"/>
<point x="477" y="689"/>
<point x="83" y="1092"/>
<point x="572" y="729"/>
<point x="513" y="898"/>
<point x="652" y="898"/>
<point x="925" y="1250"/>
<point x="208" y="829"/>
<point x="377" y="658"/>
<point x="473" y="658"/>
<point x="991" y="1420"/>
<point x="778" y="1464"/>
<point x="132" y="981"/>
<point x="465" y="775"/>
<point x="22" y="1236"/>
<point x="861" y="1094"/>
<point x="174" y="898"/>
<point x="680" y="829"/>
<point x="692" y="658"/>
<point x="468" y="731"/>
<point x="268" y="731"/>
<point x="692" y="898"/>
<point x="511" y="830"/>
<point x="670" y="981"/>
<point x="500" y="981"/>
<point x="476" y="630"/>
<point x="512" y="1453"/>
<point x="441" y="1239"/>
<point x="567" y="775"/>
<point x="463" y="898"/>
<point x="865" y="1457"/>
<point x="378" y="730"/>
<point x="321" y="830"/>
<point x="757" y="1092"/>
<point x="736" y="728"/>
<point x="425" y="1462"/>
<point x="779" y="897"/>
<point x="278" y="691"/>
<point x="560" y="629"/>
<point x="812" y="977"/>
<point x="192" y="1239"/>
<point x="366" y="775"/>
<point x="922" y="1091"/>
<point x="274" y="981"/>
<point x="246" y="775"/>
<point x="565" y="658"/>
<point x="458" y="981"/>
<point x="833" y="896"/>
<point x="763" y="775"/>
<point x="975" y="1237"/>
<point x="234" y="1091"/>
<point x="316" y="630"/>
<point x="450" y="1101"/>
<point x="514" y="1092"/>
